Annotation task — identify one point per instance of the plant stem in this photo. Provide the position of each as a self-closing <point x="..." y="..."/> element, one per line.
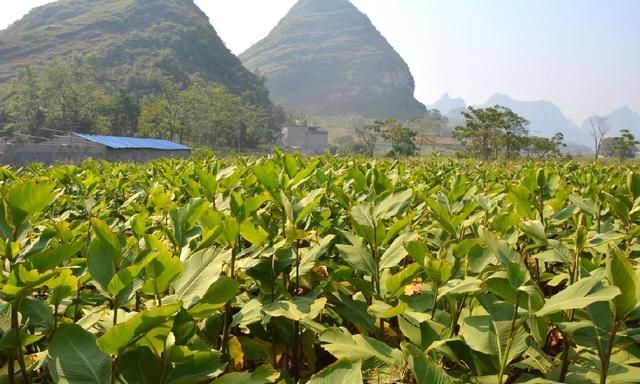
<point x="604" y="370"/>
<point x="226" y="329"/>
<point x="16" y="326"/>
<point x="505" y="358"/>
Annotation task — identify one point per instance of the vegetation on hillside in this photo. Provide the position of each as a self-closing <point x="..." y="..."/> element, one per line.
<point x="322" y="270"/>
<point x="123" y="41"/>
<point x="69" y="97"/>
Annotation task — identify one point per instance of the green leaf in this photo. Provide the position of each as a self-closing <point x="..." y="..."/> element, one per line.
<point x="297" y="309"/>
<point x="342" y="371"/>
<point x="579" y="295"/>
<point x="140" y="366"/>
<point x="219" y="293"/>
<point x="161" y="272"/>
<point x="535" y="230"/>
<point x="622" y="275"/>
<point x="100" y="264"/>
<point x="425" y="370"/>
<point x="359" y="258"/>
<point x="490" y="333"/>
<point x="341" y="344"/>
<point x="126" y="276"/>
<point x="199" y="271"/>
<point x="128" y="332"/>
<point x="108" y="241"/>
<point x="74" y="358"/>
<point x="392" y="205"/>
<point x="396" y="251"/>
<point x="52" y="258"/>
<point x="262" y="375"/>
<point x="194" y="367"/>
<point x="26" y="199"/>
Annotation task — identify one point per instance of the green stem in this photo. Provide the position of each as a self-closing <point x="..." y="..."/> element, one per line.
<point x="505" y="358"/>
<point x="16" y="326"/>
<point x="604" y="370"/>
<point x="226" y="328"/>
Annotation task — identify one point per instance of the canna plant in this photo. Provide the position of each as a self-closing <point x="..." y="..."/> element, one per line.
<point x="294" y="270"/>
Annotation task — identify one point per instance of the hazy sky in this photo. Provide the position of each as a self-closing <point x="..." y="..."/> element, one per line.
<point x="583" y="55"/>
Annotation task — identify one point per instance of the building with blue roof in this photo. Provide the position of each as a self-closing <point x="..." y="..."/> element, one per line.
<point x="77" y="147"/>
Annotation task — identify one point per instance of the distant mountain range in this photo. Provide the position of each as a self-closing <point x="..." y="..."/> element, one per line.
<point x="326" y="58"/>
<point x="446" y="104"/>
<point x="545" y="118"/>
<point x="621" y="118"/>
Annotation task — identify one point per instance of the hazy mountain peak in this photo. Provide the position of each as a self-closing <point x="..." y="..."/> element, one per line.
<point x="545" y="118"/>
<point x="325" y="57"/>
<point x="446" y="104"/>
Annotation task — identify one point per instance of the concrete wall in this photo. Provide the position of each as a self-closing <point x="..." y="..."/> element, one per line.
<point x="49" y="154"/>
<point x="309" y="140"/>
<point x="317" y="142"/>
<point x="295" y="136"/>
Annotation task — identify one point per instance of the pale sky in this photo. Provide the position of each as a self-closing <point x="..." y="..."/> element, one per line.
<point x="583" y="55"/>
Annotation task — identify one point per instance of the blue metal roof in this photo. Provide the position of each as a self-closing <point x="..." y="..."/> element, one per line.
<point x="116" y="142"/>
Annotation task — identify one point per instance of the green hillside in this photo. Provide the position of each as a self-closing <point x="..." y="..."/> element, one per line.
<point x="123" y="39"/>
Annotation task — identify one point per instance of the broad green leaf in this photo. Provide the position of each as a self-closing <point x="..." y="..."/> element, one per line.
<point x="579" y="295"/>
<point x="396" y="251"/>
<point x="425" y="370"/>
<point x="297" y="309"/>
<point x="622" y="275"/>
<point x="535" y="230"/>
<point x="200" y="269"/>
<point x="52" y="258"/>
<point x="126" y="276"/>
<point x="26" y="199"/>
<point x="74" y="358"/>
<point x="131" y="330"/>
<point x="194" y="367"/>
<point x="100" y="264"/>
<point x="392" y="205"/>
<point x="262" y="375"/>
<point x="490" y="334"/>
<point x="359" y="258"/>
<point x="109" y="245"/>
<point x="342" y="371"/>
<point x="219" y="293"/>
<point x="140" y="366"/>
<point x="341" y="344"/>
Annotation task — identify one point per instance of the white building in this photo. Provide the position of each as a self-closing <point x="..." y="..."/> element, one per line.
<point x="308" y="140"/>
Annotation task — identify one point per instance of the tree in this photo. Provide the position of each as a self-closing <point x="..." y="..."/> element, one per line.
<point x="542" y="147"/>
<point x="123" y="113"/>
<point x="489" y="131"/>
<point x="72" y="97"/>
<point x="599" y="130"/>
<point x="622" y="147"/>
<point x="369" y="136"/>
<point x="402" y="139"/>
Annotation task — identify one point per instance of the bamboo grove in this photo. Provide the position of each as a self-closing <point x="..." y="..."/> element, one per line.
<point x="285" y="269"/>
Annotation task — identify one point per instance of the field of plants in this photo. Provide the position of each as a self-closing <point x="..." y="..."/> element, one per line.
<point x="285" y="269"/>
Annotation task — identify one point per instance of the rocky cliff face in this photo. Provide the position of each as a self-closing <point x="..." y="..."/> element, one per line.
<point x="325" y="57"/>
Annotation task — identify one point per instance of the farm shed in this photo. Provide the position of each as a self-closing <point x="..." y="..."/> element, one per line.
<point x="308" y="140"/>
<point x="78" y="147"/>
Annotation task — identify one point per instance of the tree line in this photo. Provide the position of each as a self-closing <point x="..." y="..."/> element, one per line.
<point x="70" y="96"/>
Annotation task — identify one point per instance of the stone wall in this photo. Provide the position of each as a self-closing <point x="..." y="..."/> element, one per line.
<point x="49" y="154"/>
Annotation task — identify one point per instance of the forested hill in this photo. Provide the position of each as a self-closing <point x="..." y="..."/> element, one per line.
<point x="326" y="58"/>
<point x="124" y="38"/>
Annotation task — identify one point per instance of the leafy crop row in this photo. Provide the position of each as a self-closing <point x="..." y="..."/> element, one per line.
<point x="328" y="270"/>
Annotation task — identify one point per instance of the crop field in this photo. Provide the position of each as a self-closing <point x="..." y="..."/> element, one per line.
<point x="285" y="269"/>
